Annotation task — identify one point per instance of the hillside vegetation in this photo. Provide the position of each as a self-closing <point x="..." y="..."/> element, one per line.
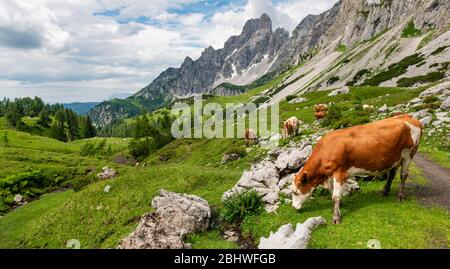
<point x="100" y="220"/>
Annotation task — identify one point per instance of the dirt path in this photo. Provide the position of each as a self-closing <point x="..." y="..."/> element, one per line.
<point x="438" y="190"/>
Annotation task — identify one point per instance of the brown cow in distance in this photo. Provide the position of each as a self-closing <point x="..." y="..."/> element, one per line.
<point x="250" y="137"/>
<point x="321" y="111"/>
<point x="291" y="127"/>
<point x="368" y="150"/>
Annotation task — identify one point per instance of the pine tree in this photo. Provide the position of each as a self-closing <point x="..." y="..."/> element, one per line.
<point x="72" y="125"/>
<point x="13" y="115"/>
<point x="88" y="130"/>
<point x="44" y="118"/>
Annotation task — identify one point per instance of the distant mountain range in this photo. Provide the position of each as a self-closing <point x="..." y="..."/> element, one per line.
<point x="81" y="108"/>
<point x="319" y="41"/>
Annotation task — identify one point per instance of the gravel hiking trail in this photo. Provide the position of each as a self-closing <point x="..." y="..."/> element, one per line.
<point x="438" y="189"/>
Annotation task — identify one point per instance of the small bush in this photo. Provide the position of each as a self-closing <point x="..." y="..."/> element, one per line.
<point x="82" y="182"/>
<point x="431" y="99"/>
<point x="394" y="70"/>
<point x="320" y="192"/>
<point x="91" y="149"/>
<point x="357" y="77"/>
<point x="341" y="48"/>
<point x="242" y="205"/>
<point x="333" y="80"/>
<point x="439" y="50"/>
<point x="430" y="77"/>
<point x="334" y="114"/>
<point x="237" y="150"/>
<point x="410" y="30"/>
<point x="290" y="97"/>
<point x="140" y="149"/>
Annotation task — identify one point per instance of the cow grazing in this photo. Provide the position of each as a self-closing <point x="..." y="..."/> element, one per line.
<point x="321" y="111"/>
<point x="250" y="137"/>
<point x="291" y="127"/>
<point x="373" y="149"/>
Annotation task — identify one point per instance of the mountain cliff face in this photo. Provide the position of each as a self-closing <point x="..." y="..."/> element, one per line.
<point x="259" y="50"/>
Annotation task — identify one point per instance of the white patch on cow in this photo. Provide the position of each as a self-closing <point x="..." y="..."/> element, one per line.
<point x="416" y="133"/>
<point x="338" y="188"/>
<point x="298" y="199"/>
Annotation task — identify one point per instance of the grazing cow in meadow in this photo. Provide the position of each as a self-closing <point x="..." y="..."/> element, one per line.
<point x="321" y="111"/>
<point x="250" y="137"/>
<point x="373" y="149"/>
<point x="291" y="127"/>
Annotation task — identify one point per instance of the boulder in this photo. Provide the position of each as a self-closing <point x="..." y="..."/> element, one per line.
<point x="344" y="90"/>
<point x="293" y="159"/>
<point x="427" y="120"/>
<point x="446" y="104"/>
<point x="229" y="158"/>
<point x="175" y="216"/>
<point x="421" y="114"/>
<point x="351" y="187"/>
<point x="383" y="109"/>
<point x="436" y="90"/>
<point x="287" y="238"/>
<point x="107" y="173"/>
<point x="18" y="199"/>
<point x="107" y="189"/>
<point x="298" y="100"/>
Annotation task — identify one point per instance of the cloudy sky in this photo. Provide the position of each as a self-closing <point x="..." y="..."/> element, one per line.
<point x="86" y="50"/>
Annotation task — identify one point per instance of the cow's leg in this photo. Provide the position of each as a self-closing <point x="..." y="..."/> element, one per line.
<point x="390" y="178"/>
<point x="338" y="186"/>
<point x="404" y="175"/>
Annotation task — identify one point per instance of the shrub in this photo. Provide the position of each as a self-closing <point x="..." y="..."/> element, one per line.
<point x="82" y="182"/>
<point x="439" y="50"/>
<point x="357" y="77"/>
<point x="237" y="150"/>
<point x="290" y="97"/>
<point x="333" y="80"/>
<point x="242" y="205"/>
<point x="91" y="149"/>
<point x="394" y="70"/>
<point x="341" y="48"/>
<point x="430" y="77"/>
<point x="320" y="192"/>
<point x="410" y="30"/>
<point x="140" y="149"/>
<point x="334" y="114"/>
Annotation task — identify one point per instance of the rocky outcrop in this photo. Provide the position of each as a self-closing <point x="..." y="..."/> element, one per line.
<point x="344" y="90"/>
<point x="107" y="173"/>
<point x="271" y="177"/>
<point x="175" y="216"/>
<point x="288" y="238"/>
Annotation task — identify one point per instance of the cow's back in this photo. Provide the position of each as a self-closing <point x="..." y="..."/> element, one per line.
<point x="372" y="147"/>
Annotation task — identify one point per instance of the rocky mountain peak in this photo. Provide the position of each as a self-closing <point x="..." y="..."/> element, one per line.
<point x="252" y="26"/>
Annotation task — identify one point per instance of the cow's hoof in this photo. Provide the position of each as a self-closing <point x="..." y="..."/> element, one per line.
<point x="336" y="220"/>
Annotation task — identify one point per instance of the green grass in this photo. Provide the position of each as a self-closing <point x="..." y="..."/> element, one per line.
<point x="366" y="215"/>
<point x="210" y="240"/>
<point x="14" y="225"/>
<point x="410" y="30"/>
<point x="193" y="166"/>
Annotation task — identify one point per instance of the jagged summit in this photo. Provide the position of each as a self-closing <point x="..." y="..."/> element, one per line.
<point x="259" y="50"/>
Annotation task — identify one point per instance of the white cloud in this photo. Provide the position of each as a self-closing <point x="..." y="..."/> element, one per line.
<point x="59" y="50"/>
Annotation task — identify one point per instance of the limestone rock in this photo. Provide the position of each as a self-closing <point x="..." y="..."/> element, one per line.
<point x="229" y="158"/>
<point x="18" y="199"/>
<point x="107" y="173"/>
<point x="446" y="104"/>
<point x="383" y="109"/>
<point x="287" y="238"/>
<point x="175" y="216"/>
<point x="344" y="90"/>
<point x="292" y="159"/>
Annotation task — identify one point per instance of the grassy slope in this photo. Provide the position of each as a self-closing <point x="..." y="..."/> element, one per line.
<point x="100" y="220"/>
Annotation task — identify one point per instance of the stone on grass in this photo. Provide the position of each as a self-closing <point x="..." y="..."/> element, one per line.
<point x="107" y="173"/>
<point x="175" y="217"/>
<point x="287" y="238"/>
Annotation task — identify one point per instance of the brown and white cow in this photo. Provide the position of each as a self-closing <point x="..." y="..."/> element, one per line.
<point x="250" y="137"/>
<point x="373" y="149"/>
<point x="321" y="111"/>
<point x="291" y="127"/>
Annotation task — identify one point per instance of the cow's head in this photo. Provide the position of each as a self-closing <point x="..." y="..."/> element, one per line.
<point x="302" y="188"/>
